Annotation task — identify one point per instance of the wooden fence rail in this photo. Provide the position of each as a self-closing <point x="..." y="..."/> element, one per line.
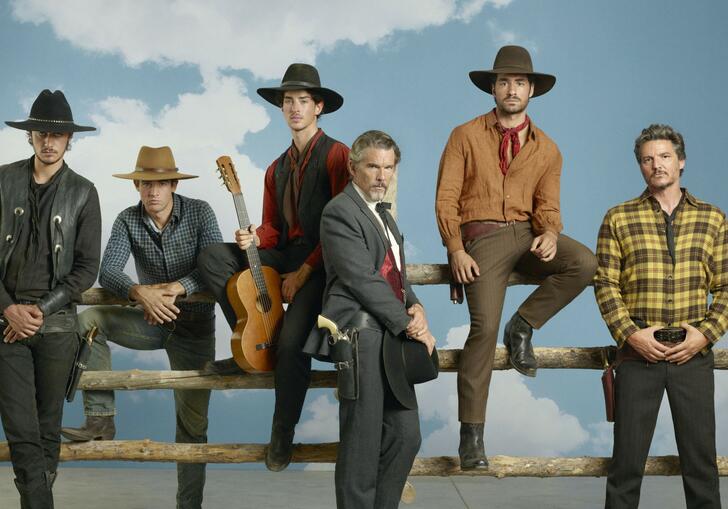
<point x="418" y="274"/>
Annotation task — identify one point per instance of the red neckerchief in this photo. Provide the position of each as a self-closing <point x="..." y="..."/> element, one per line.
<point x="509" y="134"/>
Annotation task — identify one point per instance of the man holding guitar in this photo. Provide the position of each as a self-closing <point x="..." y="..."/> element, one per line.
<point x="165" y="232"/>
<point x="298" y="185"/>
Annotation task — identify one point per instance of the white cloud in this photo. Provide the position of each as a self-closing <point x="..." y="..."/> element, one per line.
<point x="323" y="425"/>
<point x="230" y="34"/>
<point x="517" y="423"/>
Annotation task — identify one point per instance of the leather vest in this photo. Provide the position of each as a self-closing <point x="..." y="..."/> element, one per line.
<point x="315" y="191"/>
<point x="69" y="199"/>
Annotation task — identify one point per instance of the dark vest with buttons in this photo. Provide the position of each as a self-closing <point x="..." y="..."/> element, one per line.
<point x="315" y="191"/>
<point x="70" y="198"/>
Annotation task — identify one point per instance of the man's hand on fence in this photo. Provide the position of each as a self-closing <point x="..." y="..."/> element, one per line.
<point x="157" y="301"/>
<point x="693" y="343"/>
<point x="24" y="320"/>
<point x="644" y="342"/>
<point x="464" y="268"/>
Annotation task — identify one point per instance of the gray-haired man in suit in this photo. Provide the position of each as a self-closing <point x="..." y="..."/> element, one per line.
<point x="367" y="288"/>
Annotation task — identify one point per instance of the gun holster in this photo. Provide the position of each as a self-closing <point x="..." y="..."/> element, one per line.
<point x="344" y="352"/>
<point x="79" y="363"/>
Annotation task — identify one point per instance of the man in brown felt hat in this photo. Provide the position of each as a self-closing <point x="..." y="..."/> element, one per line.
<point x="297" y="186"/>
<point x="51" y="241"/>
<point x="497" y="210"/>
<point x="165" y="232"/>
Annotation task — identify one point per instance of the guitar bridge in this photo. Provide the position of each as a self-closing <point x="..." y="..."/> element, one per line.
<point x="263" y="346"/>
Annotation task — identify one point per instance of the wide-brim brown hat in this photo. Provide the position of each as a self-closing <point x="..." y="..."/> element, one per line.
<point x="513" y="60"/>
<point x="406" y="363"/>
<point x="155" y="164"/>
<point x="50" y="113"/>
<point x="302" y="77"/>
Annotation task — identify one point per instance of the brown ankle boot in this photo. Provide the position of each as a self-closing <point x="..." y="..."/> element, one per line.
<point x="95" y="428"/>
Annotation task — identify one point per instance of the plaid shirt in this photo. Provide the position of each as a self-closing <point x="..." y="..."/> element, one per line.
<point x="637" y="278"/>
<point x="161" y="257"/>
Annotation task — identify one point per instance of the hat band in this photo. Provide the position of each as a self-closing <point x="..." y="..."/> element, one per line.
<point x="52" y="121"/>
<point x="156" y="170"/>
<point x="302" y="84"/>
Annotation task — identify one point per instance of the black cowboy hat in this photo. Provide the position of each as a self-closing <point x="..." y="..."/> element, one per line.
<point x="50" y="113"/>
<point x="513" y="60"/>
<point x="302" y="77"/>
<point x="407" y="363"/>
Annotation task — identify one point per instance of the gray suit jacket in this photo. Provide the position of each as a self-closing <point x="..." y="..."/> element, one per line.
<point x="354" y="247"/>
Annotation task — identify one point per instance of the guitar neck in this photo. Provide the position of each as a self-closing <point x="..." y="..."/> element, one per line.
<point x="252" y="250"/>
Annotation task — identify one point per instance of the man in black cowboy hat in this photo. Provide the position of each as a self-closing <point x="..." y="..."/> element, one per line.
<point x="165" y="233"/>
<point x="297" y="186"/>
<point x="497" y="210"/>
<point x="367" y="289"/>
<point x="51" y="230"/>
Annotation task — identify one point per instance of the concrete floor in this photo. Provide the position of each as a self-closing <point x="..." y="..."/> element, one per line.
<point x="137" y="488"/>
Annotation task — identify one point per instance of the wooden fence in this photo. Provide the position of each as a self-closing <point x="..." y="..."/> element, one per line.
<point x="422" y="274"/>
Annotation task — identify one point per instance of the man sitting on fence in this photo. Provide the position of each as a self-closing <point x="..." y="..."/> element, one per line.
<point x="165" y="232"/>
<point x="659" y="256"/>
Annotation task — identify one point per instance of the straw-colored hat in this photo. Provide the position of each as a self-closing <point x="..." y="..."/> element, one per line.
<point x="155" y="164"/>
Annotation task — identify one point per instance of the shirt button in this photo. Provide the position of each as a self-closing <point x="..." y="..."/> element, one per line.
<point x="508" y="196"/>
<point x="669" y="276"/>
<point x="669" y="301"/>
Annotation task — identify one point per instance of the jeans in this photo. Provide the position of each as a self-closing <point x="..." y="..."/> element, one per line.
<point x="189" y="346"/>
<point x="33" y="376"/>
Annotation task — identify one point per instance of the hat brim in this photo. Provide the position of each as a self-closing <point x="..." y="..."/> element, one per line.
<point x="49" y="127"/>
<point x="406" y="363"/>
<point x="332" y="99"/>
<point x="542" y="83"/>
<point x="154" y="175"/>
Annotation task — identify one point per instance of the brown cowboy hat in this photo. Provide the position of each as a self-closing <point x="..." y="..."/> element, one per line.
<point x="513" y="60"/>
<point x="155" y="164"/>
<point x="50" y="113"/>
<point x="302" y="77"/>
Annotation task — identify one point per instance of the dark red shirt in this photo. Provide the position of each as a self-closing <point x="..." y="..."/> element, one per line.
<point x="269" y="231"/>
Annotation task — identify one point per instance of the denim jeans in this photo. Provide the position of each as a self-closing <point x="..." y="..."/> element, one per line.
<point x="189" y="345"/>
<point x="33" y="376"/>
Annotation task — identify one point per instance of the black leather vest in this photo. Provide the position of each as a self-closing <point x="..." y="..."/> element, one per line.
<point x="70" y="198"/>
<point x="315" y="191"/>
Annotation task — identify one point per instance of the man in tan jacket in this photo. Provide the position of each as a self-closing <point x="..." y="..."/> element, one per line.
<point x="497" y="209"/>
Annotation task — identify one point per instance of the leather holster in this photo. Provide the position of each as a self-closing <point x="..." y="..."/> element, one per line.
<point x="345" y="356"/>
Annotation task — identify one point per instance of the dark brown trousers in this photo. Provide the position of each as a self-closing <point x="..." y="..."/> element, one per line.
<point x="498" y="254"/>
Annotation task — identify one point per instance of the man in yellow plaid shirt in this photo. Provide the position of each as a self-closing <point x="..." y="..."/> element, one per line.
<point x="659" y="256"/>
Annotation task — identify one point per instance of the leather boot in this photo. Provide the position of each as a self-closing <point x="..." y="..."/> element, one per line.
<point x="472" y="448"/>
<point x="36" y="495"/>
<point x="96" y="427"/>
<point x="517" y="339"/>
<point x="280" y="449"/>
<point x="222" y="367"/>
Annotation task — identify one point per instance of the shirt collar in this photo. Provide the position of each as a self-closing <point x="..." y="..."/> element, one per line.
<point x="491" y="120"/>
<point x="688" y="198"/>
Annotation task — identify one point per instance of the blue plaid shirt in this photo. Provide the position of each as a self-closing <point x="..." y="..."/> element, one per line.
<point x="161" y="257"/>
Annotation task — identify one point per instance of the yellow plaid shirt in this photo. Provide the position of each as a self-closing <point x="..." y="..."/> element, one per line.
<point x="637" y="278"/>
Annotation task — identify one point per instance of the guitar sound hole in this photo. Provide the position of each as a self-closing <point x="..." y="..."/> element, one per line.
<point x="264" y="302"/>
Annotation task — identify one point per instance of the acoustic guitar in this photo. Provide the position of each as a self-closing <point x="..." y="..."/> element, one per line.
<point x="254" y="294"/>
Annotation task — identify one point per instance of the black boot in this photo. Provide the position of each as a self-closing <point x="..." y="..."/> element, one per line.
<point x="96" y="427"/>
<point x="280" y="449"/>
<point x="222" y="367"/>
<point x="36" y="495"/>
<point x="517" y="338"/>
<point x="472" y="448"/>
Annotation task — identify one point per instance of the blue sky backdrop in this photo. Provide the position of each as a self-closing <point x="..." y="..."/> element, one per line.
<point x="184" y="74"/>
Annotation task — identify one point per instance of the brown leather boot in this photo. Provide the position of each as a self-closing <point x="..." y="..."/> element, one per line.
<point x="95" y="428"/>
